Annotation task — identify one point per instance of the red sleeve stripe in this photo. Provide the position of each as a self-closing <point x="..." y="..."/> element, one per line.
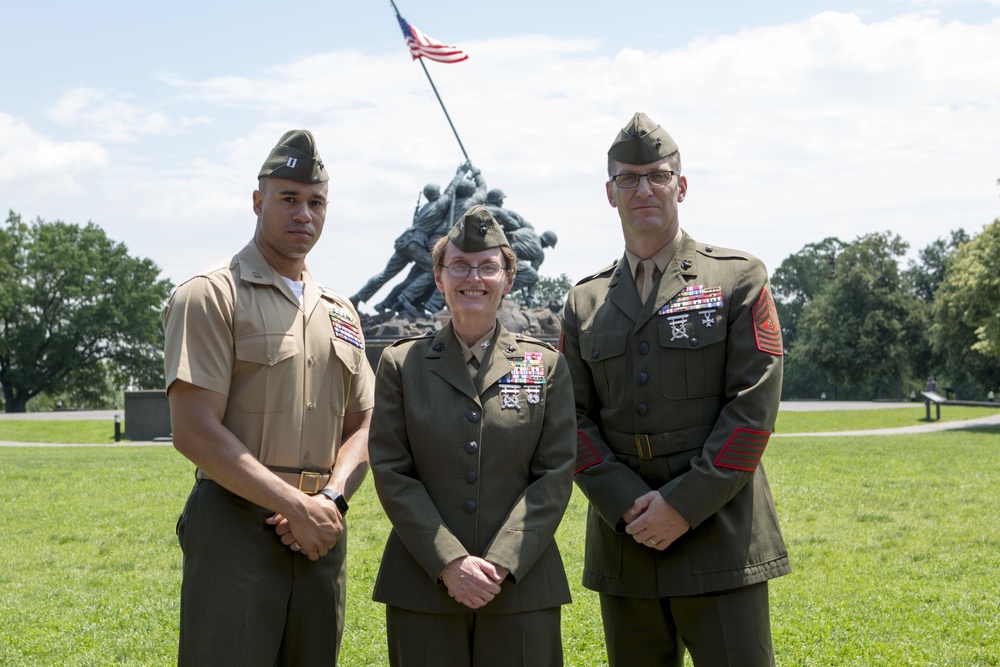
<point x="586" y="455"/>
<point x="744" y="450"/>
<point x="765" y="325"/>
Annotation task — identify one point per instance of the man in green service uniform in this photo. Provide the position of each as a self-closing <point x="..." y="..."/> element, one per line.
<point x="676" y="357"/>
<point x="271" y="397"/>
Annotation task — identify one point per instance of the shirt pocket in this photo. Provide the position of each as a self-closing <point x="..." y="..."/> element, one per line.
<point x="264" y="377"/>
<point x="604" y="352"/>
<point x="692" y="358"/>
<point x="345" y="364"/>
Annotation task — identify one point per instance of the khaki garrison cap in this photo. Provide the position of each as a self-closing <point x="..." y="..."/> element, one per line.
<point x="295" y="158"/>
<point x="641" y="141"/>
<point x="477" y="230"/>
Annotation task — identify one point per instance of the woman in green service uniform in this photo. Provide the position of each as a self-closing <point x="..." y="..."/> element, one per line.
<point x="472" y="448"/>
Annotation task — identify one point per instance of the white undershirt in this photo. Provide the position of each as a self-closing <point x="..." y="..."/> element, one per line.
<point x="297" y="287"/>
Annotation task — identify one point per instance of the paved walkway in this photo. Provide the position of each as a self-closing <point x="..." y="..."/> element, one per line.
<point x="786" y="406"/>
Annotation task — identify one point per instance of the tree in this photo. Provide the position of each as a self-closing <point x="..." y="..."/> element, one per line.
<point x="548" y="290"/>
<point x="922" y="278"/>
<point x="858" y="331"/>
<point x="966" y="329"/>
<point x="75" y="308"/>
<point x="799" y="279"/>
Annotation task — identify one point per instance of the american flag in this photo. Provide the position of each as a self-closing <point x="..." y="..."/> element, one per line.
<point x="428" y="47"/>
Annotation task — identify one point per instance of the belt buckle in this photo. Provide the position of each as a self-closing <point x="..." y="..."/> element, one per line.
<point x="315" y="479"/>
<point x="642" y="444"/>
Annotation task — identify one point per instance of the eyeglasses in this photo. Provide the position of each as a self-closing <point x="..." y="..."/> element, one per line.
<point x="463" y="270"/>
<point x="629" y="181"/>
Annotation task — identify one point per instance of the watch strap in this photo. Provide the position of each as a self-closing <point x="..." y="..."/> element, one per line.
<point x="338" y="498"/>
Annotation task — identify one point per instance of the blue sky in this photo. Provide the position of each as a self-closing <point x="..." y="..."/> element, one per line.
<point x="796" y="120"/>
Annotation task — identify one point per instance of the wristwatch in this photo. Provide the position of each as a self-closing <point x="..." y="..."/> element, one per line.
<point x="338" y="498"/>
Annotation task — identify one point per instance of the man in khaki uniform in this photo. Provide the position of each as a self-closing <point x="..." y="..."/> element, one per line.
<point x="675" y="354"/>
<point x="271" y="397"/>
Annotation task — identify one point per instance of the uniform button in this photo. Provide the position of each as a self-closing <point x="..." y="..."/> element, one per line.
<point x="686" y="264"/>
<point x="709" y="248"/>
<point x="270" y="358"/>
<point x="473" y="416"/>
<point x="694" y="342"/>
<point x="472" y="447"/>
<point x="642" y="378"/>
<point x="310" y="362"/>
<point x="471" y="476"/>
<point x="311" y="406"/>
<point x="595" y="354"/>
<point x="641" y="409"/>
<point x="643" y="348"/>
<point x="470" y="506"/>
<point x="307" y="455"/>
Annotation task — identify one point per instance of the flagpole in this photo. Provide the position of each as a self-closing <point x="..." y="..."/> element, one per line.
<point x="434" y="88"/>
<point x="438" y="96"/>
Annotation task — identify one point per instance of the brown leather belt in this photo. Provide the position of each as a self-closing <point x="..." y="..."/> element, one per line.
<point x="306" y="481"/>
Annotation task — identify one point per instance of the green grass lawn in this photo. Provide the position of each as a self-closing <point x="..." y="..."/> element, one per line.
<point x="864" y="420"/>
<point x="97" y="432"/>
<point x="86" y="431"/>
<point x="894" y="542"/>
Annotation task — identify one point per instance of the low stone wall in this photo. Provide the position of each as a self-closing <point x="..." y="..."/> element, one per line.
<point x="147" y="414"/>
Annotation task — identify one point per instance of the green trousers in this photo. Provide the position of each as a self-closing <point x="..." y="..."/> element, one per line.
<point x="246" y="599"/>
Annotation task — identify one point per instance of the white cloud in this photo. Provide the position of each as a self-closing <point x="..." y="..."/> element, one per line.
<point x="114" y="117"/>
<point x="28" y="159"/>
<point x="836" y="125"/>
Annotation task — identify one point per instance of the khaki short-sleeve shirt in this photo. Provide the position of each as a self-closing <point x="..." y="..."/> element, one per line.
<point x="290" y="371"/>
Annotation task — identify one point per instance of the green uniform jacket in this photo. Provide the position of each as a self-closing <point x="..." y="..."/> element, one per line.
<point x="458" y="474"/>
<point x="696" y="374"/>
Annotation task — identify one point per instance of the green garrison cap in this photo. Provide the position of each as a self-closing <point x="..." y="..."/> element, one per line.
<point x="641" y="141"/>
<point x="295" y="157"/>
<point x="477" y="230"/>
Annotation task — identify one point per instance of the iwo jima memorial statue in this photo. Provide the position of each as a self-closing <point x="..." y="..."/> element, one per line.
<point x="414" y="305"/>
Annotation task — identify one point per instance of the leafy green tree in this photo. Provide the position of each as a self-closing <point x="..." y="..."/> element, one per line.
<point x="799" y="279"/>
<point x="76" y="312"/>
<point x="928" y="272"/>
<point x="923" y="277"/>
<point x="966" y="329"/>
<point x="547" y="290"/>
<point x="858" y="331"/>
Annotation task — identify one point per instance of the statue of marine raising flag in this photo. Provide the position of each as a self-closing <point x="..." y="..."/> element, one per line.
<point x="416" y="294"/>
<point x="471" y="574"/>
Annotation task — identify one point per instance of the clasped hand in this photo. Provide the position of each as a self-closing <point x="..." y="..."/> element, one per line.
<point x="314" y="532"/>
<point x="654" y="522"/>
<point x="473" y="581"/>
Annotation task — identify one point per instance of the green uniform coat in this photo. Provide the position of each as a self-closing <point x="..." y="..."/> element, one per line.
<point x="703" y="382"/>
<point x="459" y="475"/>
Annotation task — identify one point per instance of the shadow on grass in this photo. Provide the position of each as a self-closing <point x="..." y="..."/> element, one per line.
<point x="995" y="429"/>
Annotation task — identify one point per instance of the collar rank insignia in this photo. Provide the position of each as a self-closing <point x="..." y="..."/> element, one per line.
<point x="345" y="328"/>
<point x="693" y="297"/>
<point x="529" y="370"/>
